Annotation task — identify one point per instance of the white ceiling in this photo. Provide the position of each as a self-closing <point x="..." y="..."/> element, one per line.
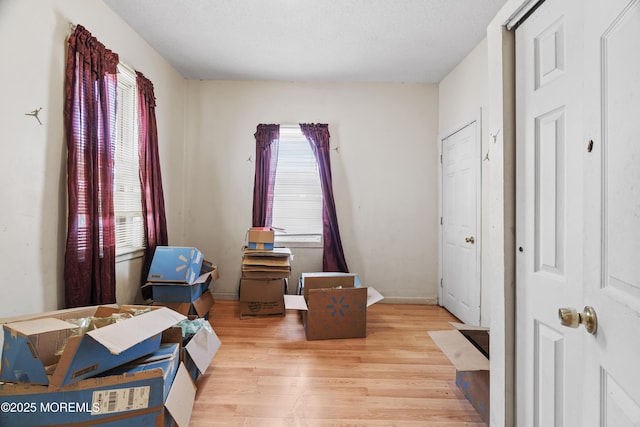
<point x="311" y="40"/>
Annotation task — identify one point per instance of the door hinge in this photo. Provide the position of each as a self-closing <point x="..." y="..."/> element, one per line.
<point x="441" y="282"/>
<point x="440" y="158"/>
<point x="440" y="220"/>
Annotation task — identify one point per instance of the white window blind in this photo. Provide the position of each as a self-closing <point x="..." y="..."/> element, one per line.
<point x="127" y="197"/>
<point x="297" y="202"/>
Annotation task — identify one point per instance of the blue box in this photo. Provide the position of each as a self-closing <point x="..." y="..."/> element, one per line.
<point x="31" y="344"/>
<point x="131" y="400"/>
<point x="167" y="358"/>
<point x="175" y="264"/>
<point x="151" y="391"/>
<point x="259" y="245"/>
<point x="180" y="292"/>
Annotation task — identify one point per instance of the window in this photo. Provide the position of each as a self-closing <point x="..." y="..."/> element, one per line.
<point x="297" y="200"/>
<point x="127" y="195"/>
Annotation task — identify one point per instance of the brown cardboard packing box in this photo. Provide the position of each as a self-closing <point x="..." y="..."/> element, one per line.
<point x="467" y="347"/>
<point x="262" y="298"/>
<point x="332" y="306"/>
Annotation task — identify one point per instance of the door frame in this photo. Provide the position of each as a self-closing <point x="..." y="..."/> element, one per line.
<point x="499" y="259"/>
<point x="477" y="118"/>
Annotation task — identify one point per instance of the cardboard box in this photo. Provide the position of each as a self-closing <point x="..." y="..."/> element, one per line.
<point x="180" y="292"/>
<point x="260" y="238"/>
<point x="175" y="264"/>
<point x="30" y="344"/>
<point x="467" y="347"/>
<point x="178" y="402"/>
<point x="31" y="405"/>
<point x="199" y="351"/>
<point x="192" y="310"/>
<point x="155" y="391"/>
<point x="332" y="307"/>
<point x="325" y="281"/>
<point x="262" y="298"/>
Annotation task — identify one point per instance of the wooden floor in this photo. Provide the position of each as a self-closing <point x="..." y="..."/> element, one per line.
<point x="267" y="374"/>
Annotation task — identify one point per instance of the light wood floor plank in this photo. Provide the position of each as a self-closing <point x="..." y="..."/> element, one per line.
<point x="267" y="374"/>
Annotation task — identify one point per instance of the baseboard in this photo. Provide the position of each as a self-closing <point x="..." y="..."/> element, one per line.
<point x="410" y="300"/>
<point x="387" y="300"/>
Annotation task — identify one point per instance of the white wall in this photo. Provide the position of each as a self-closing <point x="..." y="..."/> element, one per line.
<point x="463" y="94"/>
<point x="33" y="35"/>
<point x="384" y="175"/>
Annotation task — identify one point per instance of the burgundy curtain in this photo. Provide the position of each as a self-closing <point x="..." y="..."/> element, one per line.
<point x="333" y="255"/>
<point x="153" y="211"/>
<point x="267" y="137"/>
<point x="89" y="118"/>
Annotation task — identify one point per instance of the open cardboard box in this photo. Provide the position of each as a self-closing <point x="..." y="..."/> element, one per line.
<point x="198" y="308"/>
<point x="30" y="344"/>
<point x="182" y="292"/>
<point x="467" y="347"/>
<point x="154" y="390"/>
<point x="332" y="305"/>
<point x="260" y="238"/>
<point x="198" y="350"/>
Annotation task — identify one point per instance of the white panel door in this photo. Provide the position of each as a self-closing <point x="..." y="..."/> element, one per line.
<point x="612" y="211"/>
<point x="578" y="213"/>
<point x="460" y="240"/>
<point x="548" y="214"/>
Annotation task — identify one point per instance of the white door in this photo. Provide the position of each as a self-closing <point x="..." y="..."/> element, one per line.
<point x="460" y="239"/>
<point x="612" y="206"/>
<point x="578" y="213"/>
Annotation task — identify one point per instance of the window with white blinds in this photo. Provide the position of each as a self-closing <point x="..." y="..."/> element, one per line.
<point x="297" y="200"/>
<point x="127" y="195"/>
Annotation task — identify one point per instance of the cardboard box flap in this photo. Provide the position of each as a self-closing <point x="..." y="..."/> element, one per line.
<point x="181" y="397"/>
<point x="36" y="327"/>
<point x="462" y="354"/>
<point x="373" y="296"/>
<point x="123" y="335"/>
<point x="204" y="303"/>
<point x="295" y="302"/>
<point x="465" y="327"/>
<point x="202" y="347"/>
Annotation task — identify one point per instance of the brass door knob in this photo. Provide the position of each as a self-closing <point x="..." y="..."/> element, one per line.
<point x="470" y="240"/>
<point x="571" y="318"/>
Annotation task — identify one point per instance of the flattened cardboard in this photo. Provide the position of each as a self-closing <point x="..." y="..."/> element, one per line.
<point x="265" y="274"/>
<point x="276" y="252"/>
<point x="175" y="264"/>
<point x="264" y="261"/>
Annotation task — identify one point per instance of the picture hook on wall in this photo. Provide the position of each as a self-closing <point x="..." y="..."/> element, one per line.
<point x="34" y="113"/>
